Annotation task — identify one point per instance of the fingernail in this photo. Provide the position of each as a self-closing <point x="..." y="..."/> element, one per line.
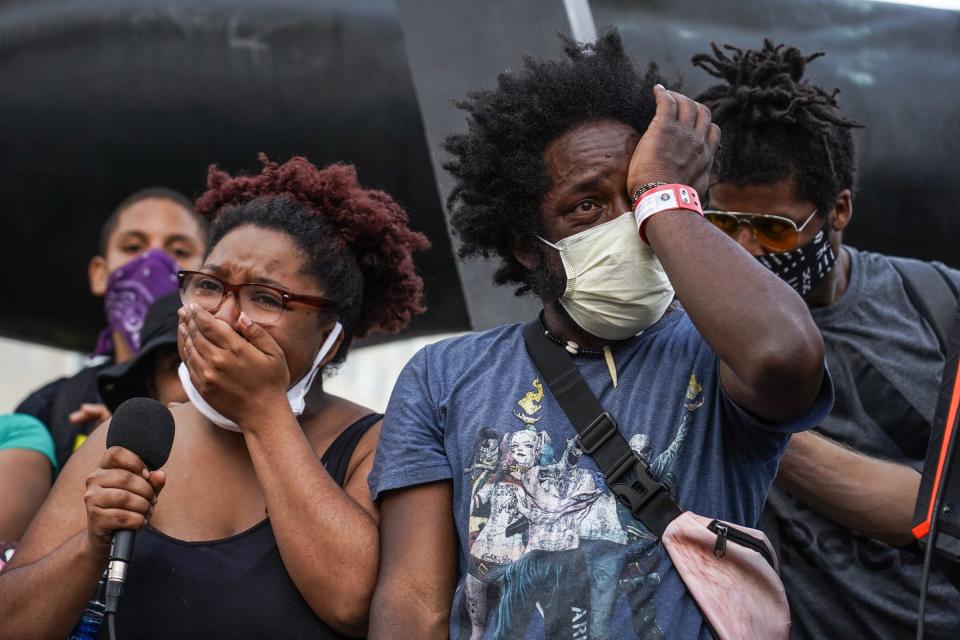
<point x="193" y="307"/>
<point x="245" y="320"/>
<point x="658" y="85"/>
<point x="146" y="474"/>
<point x="155" y="499"/>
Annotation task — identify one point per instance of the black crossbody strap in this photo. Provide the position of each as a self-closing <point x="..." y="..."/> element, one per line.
<point x="598" y="435"/>
<point x="931" y="294"/>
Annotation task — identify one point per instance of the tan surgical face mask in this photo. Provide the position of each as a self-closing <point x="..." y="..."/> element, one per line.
<point x="616" y="287"/>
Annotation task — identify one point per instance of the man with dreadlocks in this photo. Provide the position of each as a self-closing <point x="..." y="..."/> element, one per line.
<point x="540" y="548"/>
<point x="782" y="186"/>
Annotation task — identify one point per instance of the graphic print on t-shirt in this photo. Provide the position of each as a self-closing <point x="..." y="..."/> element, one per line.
<point x="537" y="517"/>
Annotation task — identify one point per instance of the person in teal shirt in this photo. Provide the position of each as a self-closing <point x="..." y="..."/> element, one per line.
<point x="27" y="464"/>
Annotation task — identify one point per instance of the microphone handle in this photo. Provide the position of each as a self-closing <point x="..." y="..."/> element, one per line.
<point x="121" y="551"/>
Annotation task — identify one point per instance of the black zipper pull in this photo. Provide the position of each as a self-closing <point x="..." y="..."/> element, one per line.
<point x="721" y="547"/>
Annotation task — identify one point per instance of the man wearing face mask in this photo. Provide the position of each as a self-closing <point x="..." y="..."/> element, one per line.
<point x="844" y="498"/>
<point x="150" y="236"/>
<point x="581" y="176"/>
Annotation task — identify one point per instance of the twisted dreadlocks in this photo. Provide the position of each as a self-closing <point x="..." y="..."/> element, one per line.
<point x="776" y="125"/>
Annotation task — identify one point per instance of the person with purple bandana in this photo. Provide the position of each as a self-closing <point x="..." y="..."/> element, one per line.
<point x="150" y="236"/>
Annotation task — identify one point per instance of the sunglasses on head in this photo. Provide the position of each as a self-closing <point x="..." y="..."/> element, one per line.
<point x="776" y="233"/>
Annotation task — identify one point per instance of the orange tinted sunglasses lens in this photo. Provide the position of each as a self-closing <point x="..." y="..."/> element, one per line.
<point x="777" y="234"/>
<point x="723" y="221"/>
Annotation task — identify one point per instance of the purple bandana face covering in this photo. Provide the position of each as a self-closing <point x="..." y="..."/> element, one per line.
<point x="131" y="290"/>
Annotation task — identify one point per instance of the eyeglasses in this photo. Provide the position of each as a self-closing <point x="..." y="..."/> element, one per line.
<point x="776" y="233"/>
<point x="261" y="303"/>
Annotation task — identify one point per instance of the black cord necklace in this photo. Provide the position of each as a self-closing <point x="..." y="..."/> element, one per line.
<point x="572" y="347"/>
<point x="605" y="352"/>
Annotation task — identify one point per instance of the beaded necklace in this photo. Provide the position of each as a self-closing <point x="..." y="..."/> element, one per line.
<point x="575" y="349"/>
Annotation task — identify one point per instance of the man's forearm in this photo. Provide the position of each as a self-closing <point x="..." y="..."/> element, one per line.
<point x="399" y="612"/>
<point x="758" y="326"/>
<point x="418" y="568"/>
<point x="872" y="497"/>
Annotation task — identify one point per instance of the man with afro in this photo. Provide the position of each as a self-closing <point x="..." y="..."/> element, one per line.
<point x="843" y="502"/>
<point x="714" y="376"/>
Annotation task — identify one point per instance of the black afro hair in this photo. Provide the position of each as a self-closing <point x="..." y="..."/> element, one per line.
<point x="498" y="168"/>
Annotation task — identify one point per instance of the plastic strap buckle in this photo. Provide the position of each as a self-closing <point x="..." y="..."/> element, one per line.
<point x="638" y="492"/>
<point x="598" y="432"/>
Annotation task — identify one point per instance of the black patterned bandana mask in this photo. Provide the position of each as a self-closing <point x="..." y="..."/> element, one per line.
<point x="805" y="266"/>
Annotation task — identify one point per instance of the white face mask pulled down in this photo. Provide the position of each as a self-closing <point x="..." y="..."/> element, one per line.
<point x="616" y="286"/>
<point x="296" y="395"/>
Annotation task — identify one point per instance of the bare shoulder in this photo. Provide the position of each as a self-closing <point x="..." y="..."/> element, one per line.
<point x="335" y="416"/>
<point x="362" y="457"/>
<point x="367" y="444"/>
<point x="331" y="422"/>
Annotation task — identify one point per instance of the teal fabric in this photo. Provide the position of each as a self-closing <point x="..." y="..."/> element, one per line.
<point x="20" y="431"/>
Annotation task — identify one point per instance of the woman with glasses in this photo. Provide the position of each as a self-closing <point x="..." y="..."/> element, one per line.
<point x="261" y="523"/>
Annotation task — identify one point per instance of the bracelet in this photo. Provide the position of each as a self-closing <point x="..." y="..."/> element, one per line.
<point x="642" y="189"/>
<point x="665" y="198"/>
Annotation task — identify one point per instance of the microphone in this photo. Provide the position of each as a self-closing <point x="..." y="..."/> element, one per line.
<point x="145" y="427"/>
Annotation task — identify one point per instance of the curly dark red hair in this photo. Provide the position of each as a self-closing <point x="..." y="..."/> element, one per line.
<point x="358" y="240"/>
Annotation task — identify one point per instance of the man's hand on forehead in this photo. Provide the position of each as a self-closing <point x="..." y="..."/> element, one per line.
<point x="678" y="146"/>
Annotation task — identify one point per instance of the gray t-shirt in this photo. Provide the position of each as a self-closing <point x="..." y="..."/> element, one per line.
<point x="886" y="367"/>
<point x="546" y="551"/>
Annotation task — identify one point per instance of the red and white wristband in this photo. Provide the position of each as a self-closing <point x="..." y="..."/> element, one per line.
<point x="665" y="197"/>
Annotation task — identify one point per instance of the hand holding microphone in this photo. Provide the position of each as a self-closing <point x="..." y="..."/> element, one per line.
<point x="120" y="495"/>
<point x="122" y="491"/>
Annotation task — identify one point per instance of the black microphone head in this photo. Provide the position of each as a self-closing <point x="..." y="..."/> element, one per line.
<point x="145" y="427"/>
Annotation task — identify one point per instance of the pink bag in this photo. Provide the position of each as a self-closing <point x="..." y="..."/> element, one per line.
<point x="731" y="572"/>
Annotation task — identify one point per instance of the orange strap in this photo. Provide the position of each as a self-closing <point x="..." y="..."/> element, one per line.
<point x="923" y="528"/>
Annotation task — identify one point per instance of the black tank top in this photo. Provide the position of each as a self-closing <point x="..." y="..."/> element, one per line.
<point x="234" y="588"/>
